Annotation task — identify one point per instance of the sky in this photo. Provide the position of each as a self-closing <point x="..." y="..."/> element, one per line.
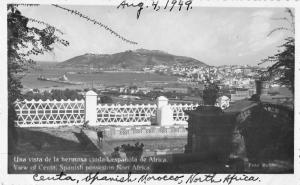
<point x="215" y="36"/>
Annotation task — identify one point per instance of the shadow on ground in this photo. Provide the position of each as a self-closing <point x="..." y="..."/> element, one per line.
<point x="52" y="139"/>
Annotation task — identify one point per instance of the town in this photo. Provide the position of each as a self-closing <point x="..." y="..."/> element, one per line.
<point x="234" y="81"/>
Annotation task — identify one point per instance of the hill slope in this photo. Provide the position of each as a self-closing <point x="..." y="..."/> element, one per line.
<point x="136" y="59"/>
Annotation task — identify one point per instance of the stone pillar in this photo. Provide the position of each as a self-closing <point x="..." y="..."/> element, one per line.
<point x="258" y="85"/>
<point x="210" y="132"/>
<point x="164" y="114"/>
<point x="162" y="101"/>
<point x="261" y="87"/>
<point x="90" y="112"/>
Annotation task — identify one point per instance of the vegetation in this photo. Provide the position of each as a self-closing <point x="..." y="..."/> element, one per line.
<point x="269" y="136"/>
<point x="58" y="94"/>
<point x="133" y="151"/>
<point x="283" y="67"/>
<point x="24" y="41"/>
<point x="54" y="94"/>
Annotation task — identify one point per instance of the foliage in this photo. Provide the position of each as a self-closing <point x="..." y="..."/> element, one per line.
<point x="116" y="153"/>
<point x="133" y="151"/>
<point x="283" y="67"/>
<point x="56" y="94"/>
<point x="24" y="41"/>
<point x="268" y="136"/>
<point x="210" y="93"/>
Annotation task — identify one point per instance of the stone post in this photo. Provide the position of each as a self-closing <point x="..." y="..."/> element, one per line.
<point x="210" y="132"/>
<point x="261" y="87"/>
<point x="90" y="113"/>
<point x="164" y="114"/>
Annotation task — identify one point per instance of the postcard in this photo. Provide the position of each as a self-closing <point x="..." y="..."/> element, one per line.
<point x="140" y="91"/>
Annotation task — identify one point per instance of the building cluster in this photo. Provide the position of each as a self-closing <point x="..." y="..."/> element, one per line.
<point x="124" y="89"/>
<point x="234" y="81"/>
<point x="231" y="75"/>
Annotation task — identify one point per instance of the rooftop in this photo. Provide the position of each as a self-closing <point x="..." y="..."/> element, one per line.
<point x="240" y="105"/>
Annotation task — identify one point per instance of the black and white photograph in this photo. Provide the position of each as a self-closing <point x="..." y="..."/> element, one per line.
<point x="150" y="87"/>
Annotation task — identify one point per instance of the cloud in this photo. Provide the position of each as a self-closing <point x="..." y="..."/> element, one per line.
<point x="259" y="28"/>
<point x="214" y="35"/>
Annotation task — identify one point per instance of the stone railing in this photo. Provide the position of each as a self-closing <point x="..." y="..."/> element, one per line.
<point x="125" y="114"/>
<point x="49" y="113"/>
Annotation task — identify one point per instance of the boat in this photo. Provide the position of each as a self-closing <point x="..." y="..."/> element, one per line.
<point x="63" y="79"/>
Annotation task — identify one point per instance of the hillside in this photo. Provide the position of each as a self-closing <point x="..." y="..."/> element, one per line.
<point x="136" y="59"/>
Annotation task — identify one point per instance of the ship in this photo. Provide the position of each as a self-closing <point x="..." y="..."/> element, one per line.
<point x="63" y="79"/>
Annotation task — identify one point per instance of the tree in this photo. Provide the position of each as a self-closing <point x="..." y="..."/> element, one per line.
<point x="24" y="41"/>
<point x="210" y="93"/>
<point x="268" y="137"/>
<point x="283" y="68"/>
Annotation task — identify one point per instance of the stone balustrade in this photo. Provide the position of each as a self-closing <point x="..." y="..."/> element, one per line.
<point x="53" y="113"/>
<point x="49" y="113"/>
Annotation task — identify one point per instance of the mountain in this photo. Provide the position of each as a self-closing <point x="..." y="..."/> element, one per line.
<point x="136" y="59"/>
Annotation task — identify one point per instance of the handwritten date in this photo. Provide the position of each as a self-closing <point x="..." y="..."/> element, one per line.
<point x="169" y="5"/>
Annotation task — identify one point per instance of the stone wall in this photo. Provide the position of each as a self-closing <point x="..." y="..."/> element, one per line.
<point x="145" y="132"/>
